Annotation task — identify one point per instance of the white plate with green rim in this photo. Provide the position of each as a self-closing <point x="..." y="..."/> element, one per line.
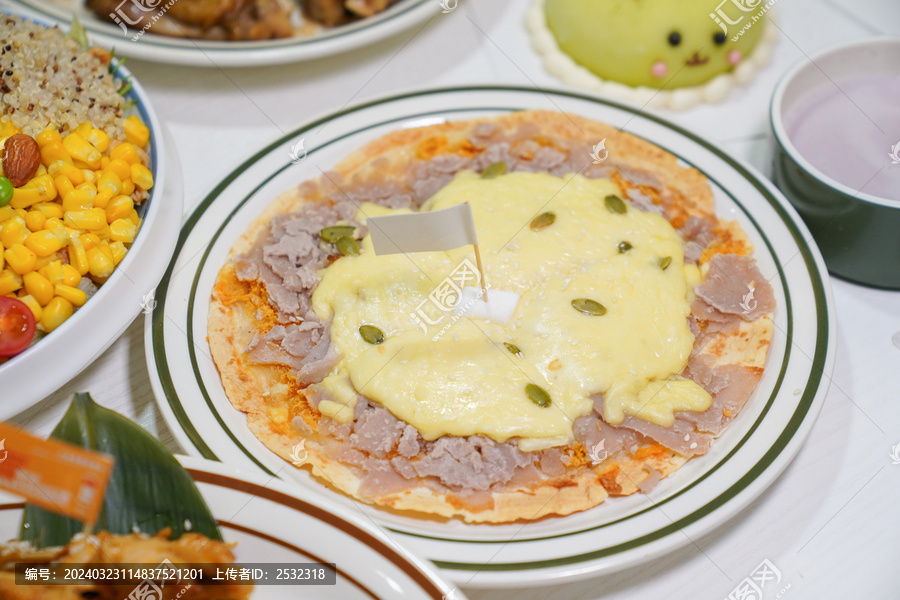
<point x="208" y="53"/>
<point x="622" y="532"/>
<point x="272" y="523"/>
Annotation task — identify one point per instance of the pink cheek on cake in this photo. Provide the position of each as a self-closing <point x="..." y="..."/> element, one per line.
<point x="735" y="56"/>
<point x="659" y="69"/>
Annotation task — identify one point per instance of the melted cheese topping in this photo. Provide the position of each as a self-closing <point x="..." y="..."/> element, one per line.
<point x="457" y="377"/>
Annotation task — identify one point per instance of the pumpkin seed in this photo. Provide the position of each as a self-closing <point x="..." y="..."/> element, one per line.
<point x="615" y="204"/>
<point x="538" y="395"/>
<point x="664" y="262"/>
<point x="513" y="349"/>
<point x="371" y="334"/>
<point x="543" y="221"/>
<point x="494" y="170"/>
<point x="624" y="247"/>
<point x="347" y="246"/>
<point x="589" y="307"/>
<point x="335" y="232"/>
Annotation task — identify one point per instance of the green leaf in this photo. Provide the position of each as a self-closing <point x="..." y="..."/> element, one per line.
<point x="126" y="87"/>
<point x="77" y="33"/>
<point x="148" y="488"/>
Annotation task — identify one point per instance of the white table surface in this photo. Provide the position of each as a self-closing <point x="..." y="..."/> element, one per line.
<point x="830" y="523"/>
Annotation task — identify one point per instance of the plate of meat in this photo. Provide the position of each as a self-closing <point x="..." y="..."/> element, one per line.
<point x="234" y="33"/>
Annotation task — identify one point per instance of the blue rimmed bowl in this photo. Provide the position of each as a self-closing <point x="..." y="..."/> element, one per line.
<point x="55" y="359"/>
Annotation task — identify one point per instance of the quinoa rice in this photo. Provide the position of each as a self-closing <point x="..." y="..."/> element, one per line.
<point x="46" y="79"/>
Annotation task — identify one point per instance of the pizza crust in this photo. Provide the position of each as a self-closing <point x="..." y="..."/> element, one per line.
<point x="271" y="399"/>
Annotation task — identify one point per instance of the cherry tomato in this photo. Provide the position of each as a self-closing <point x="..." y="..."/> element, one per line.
<point x="16" y="326"/>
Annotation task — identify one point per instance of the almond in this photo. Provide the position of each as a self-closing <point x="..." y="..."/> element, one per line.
<point x="21" y="159"/>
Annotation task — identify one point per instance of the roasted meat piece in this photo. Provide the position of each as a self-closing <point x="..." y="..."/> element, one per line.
<point x="204" y="19"/>
<point x="337" y="12"/>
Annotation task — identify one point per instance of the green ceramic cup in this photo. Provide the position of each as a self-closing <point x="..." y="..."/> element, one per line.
<point x="858" y="233"/>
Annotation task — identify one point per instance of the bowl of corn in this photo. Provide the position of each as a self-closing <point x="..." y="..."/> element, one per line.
<point x="89" y="213"/>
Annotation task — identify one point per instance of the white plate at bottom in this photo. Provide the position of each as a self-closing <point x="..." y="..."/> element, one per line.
<point x="272" y="523"/>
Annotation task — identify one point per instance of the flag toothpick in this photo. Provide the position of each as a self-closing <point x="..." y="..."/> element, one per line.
<point x="427" y="231"/>
<point x="481" y="270"/>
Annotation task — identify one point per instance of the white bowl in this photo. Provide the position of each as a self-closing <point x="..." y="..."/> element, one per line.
<point x="47" y="365"/>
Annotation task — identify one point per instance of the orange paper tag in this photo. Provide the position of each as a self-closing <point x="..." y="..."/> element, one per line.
<point x="60" y="477"/>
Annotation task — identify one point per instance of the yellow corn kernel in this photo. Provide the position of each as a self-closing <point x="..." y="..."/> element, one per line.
<point x="84" y="129"/>
<point x="53" y="272"/>
<point x="55" y="313"/>
<point x="44" y="242"/>
<point x="6" y="212"/>
<point x="71" y="276"/>
<point x="101" y="264"/>
<point x="127" y="187"/>
<point x="80" y="149"/>
<point x="90" y="240"/>
<point x="43" y="261"/>
<point x="20" y="259"/>
<point x="71" y="233"/>
<point x="119" y="208"/>
<point x="41" y="170"/>
<point x="55" y="152"/>
<point x="38" y="286"/>
<point x="78" y="200"/>
<point x="89" y="176"/>
<point x="121" y="168"/>
<point x="78" y="256"/>
<point x="104" y="162"/>
<point x="45" y="184"/>
<point x="7" y="129"/>
<point x="98" y="139"/>
<point x="111" y="182"/>
<point x="25" y="196"/>
<point x="90" y="219"/>
<point x="32" y="304"/>
<point x="118" y="251"/>
<point x="136" y="132"/>
<point x="10" y="281"/>
<point x="14" y="231"/>
<point x="133" y="217"/>
<point x="101" y="200"/>
<point x="68" y="169"/>
<point x="87" y="185"/>
<point x="35" y="220"/>
<point x="103" y="233"/>
<point x="46" y="136"/>
<point x="104" y="247"/>
<point x="72" y="294"/>
<point x="122" y="230"/>
<point x="21" y="212"/>
<point x="56" y="227"/>
<point x="2" y="260"/>
<point x="141" y="176"/>
<point x="63" y="185"/>
<point x="49" y="209"/>
<point x="126" y="152"/>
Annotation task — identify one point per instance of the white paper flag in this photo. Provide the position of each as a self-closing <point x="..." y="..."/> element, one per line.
<point x="423" y="231"/>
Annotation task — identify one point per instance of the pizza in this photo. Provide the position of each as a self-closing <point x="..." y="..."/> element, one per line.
<point x="640" y="327"/>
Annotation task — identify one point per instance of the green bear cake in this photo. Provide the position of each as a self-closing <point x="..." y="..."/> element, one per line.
<point x="670" y="53"/>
